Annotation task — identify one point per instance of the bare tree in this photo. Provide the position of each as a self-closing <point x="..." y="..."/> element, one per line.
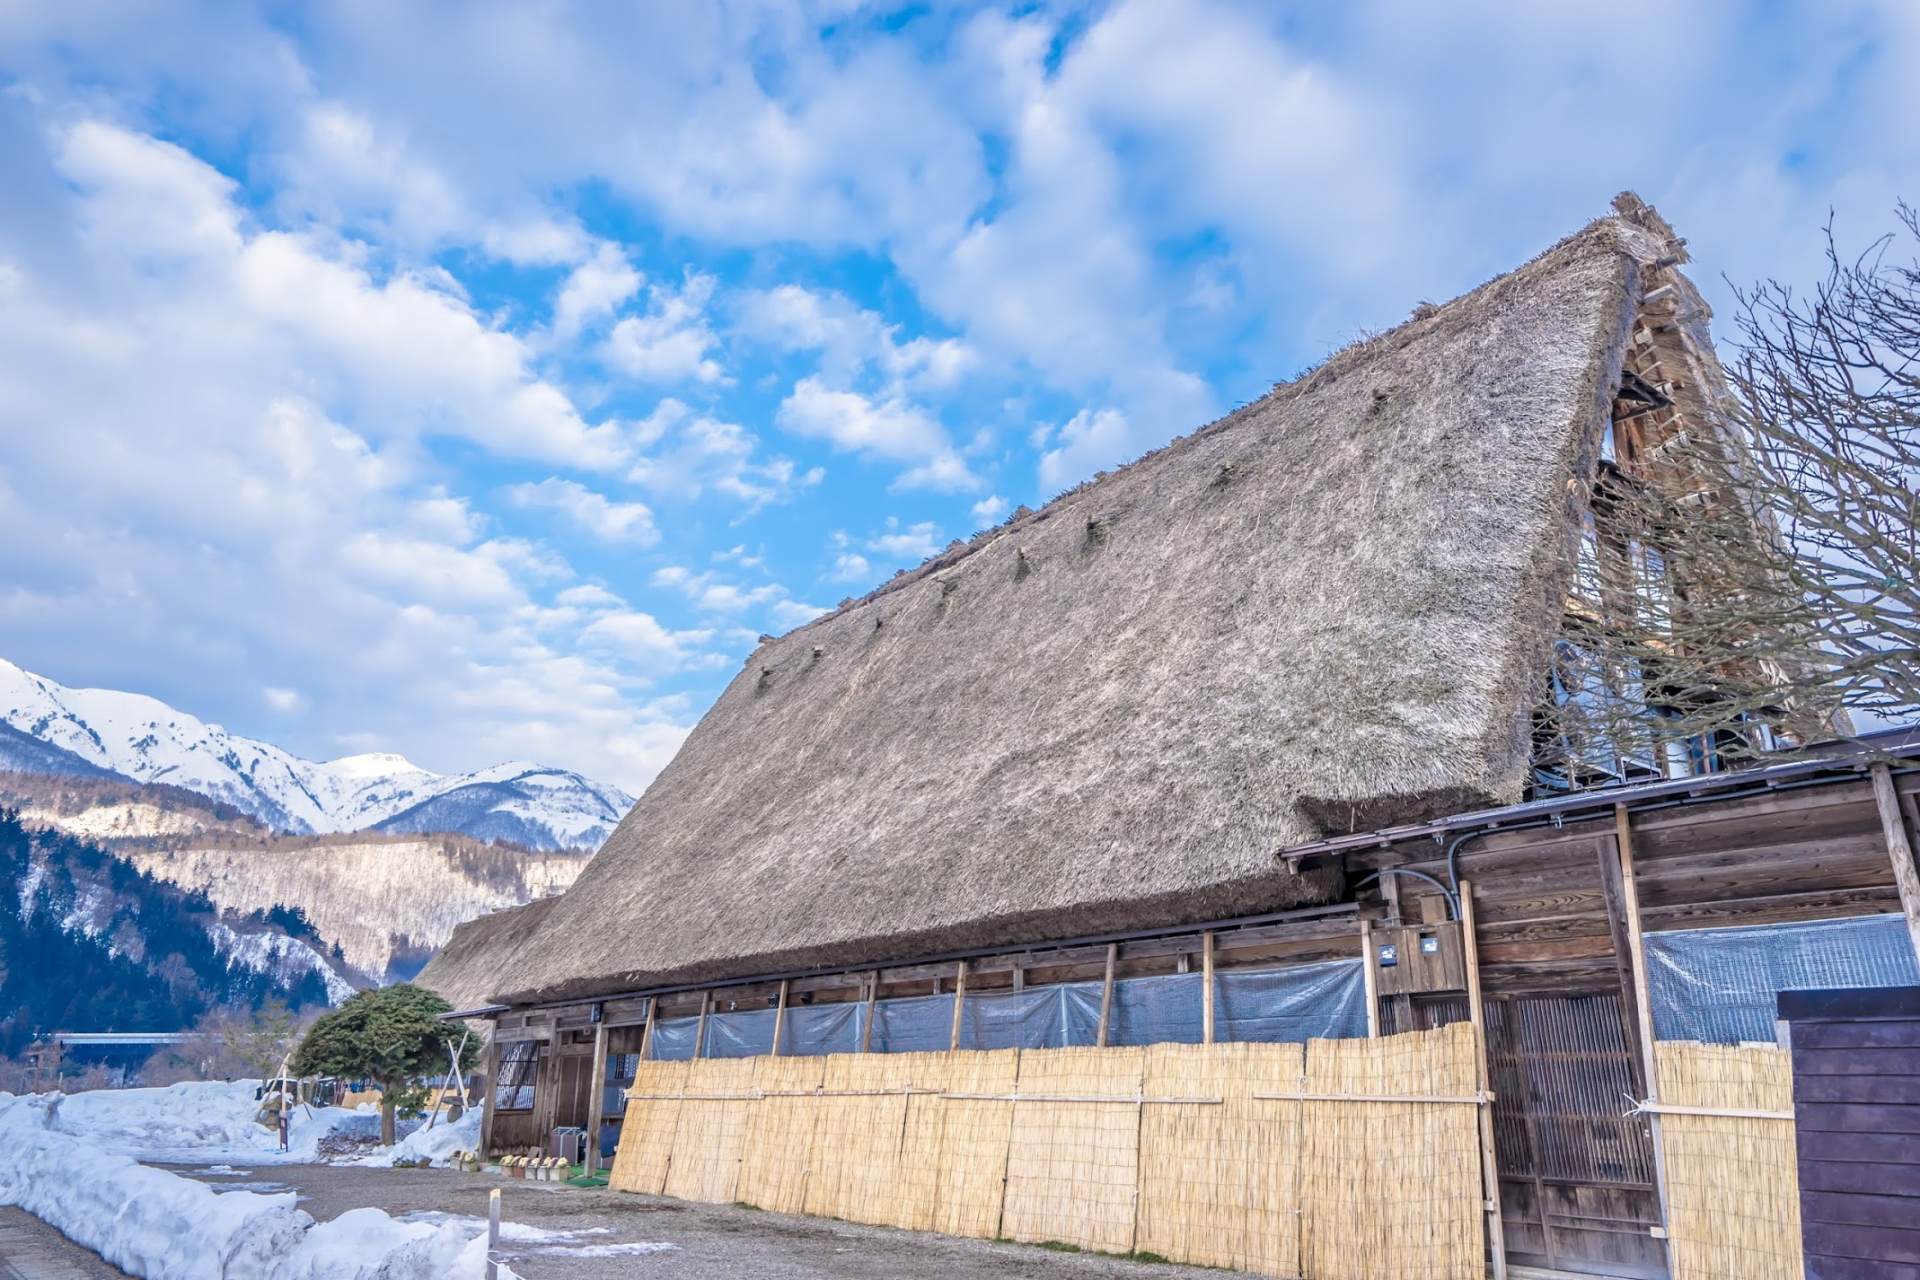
<point x="1747" y="578"/>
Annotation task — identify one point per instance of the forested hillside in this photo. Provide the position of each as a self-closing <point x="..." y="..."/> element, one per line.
<point x="89" y="942"/>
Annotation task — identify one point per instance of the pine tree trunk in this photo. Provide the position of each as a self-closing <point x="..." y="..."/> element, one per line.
<point x="386" y="1116"/>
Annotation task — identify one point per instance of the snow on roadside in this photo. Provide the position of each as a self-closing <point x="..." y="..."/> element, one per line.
<point x="160" y="1226"/>
<point x="191" y="1123"/>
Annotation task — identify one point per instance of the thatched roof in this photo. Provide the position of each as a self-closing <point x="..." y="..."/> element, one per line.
<point x="482" y="955"/>
<point x="1330" y="610"/>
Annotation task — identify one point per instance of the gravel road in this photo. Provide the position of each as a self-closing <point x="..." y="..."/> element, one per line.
<point x="710" y="1242"/>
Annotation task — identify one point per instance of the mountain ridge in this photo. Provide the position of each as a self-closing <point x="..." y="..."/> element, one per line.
<point x="49" y="728"/>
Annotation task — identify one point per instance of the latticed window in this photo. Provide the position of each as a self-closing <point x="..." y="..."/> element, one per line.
<point x="519" y="1068"/>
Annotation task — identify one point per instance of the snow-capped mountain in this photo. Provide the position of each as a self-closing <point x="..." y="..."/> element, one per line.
<point x="145" y="740"/>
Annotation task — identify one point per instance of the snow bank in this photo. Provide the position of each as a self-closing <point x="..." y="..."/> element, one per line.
<point x="190" y="1123"/>
<point x="159" y="1226"/>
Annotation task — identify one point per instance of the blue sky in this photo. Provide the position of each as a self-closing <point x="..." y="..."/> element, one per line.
<point x="478" y="381"/>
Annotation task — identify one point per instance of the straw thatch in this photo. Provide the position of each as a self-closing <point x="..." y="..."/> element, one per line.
<point x="1733" y="1182"/>
<point x="1330" y="610"/>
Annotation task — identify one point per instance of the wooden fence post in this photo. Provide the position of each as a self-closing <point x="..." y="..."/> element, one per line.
<point x="1477" y="1014"/>
<point x="873" y="996"/>
<point x="1370" y="980"/>
<point x="779" y="1016"/>
<point x="646" y="1032"/>
<point x="1643" y="1013"/>
<point x="1899" y="851"/>
<point x="596" y="1097"/>
<point x="1106" y="995"/>
<point x="493" y="1089"/>
<point x="959" y="1000"/>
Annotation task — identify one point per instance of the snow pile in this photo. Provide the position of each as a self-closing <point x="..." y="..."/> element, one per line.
<point x="434" y="1144"/>
<point x="160" y="1226"/>
<point x="190" y="1123"/>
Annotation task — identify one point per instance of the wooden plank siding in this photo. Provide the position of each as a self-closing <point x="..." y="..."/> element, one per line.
<point x="1856" y="1101"/>
<point x="1816" y="853"/>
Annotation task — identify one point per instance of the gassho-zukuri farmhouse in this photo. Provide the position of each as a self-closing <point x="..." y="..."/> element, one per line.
<point x="1175" y="869"/>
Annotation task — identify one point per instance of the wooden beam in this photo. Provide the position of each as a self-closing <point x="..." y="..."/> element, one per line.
<point x="486" y="1102"/>
<point x="1477" y="1014"/>
<point x="779" y="1017"/>
<point x="873" y="997"/>
<point x="1106" y="995"/>
<point x="1899" y="851"/>
<point x="700" y="1027"/>
<point x="1206" y="982"/>
<point x="596" y="1097"/>
<point x="959" y="1000"/>
<point x="1642" y="1010"/>
<point x="646" y="1034"/>
<point x="1613" y="895"/>
<point x="1370" y="979"/>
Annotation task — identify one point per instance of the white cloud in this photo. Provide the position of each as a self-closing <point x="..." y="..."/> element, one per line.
<point x="639" y="638"/>
<point x="687" y="453"/>
<point x="851" y="566"/>
<point x="284" y="701"/>
<point x="592" y="291"/>
<point x="795" y="613"/>
<point x="851" y="339"/>
<point x="1092" y="439"/>
<point x="597" y="514"/>
<point x="912" y="542"/>
<point x="670" y="343"/>
<point x="988" y="510"/>
<point x="894" y="430"/>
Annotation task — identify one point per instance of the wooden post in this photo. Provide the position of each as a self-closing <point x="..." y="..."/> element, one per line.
<point x="596" y="1097"/>
<point x="700" y="1027"/>
<point x="493" y="1234"/>
<point x="1476" y="1012"/>
<point x="1106" y="995"/>
<point x="1206" y="979"/>
<point x="959" y="1000"/>
<point x="1643" y="1012"/>
<point x="873" y="996"/>
<point x="779" y="1016"/>
<point x="1899" y="850"/>
<point x="493" y="1090"/>
<point x="1613" y="893"/>
<point x="1371" y="980"/>
<point x="646" y="1033"/>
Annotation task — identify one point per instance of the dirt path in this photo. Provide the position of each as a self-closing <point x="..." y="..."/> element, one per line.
<point x="32" y="1250"/>
<point x="710" y="1242"/>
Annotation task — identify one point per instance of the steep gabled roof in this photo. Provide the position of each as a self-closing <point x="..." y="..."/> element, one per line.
<point x="483" y="954"/>
<point x="1328" y="611"/>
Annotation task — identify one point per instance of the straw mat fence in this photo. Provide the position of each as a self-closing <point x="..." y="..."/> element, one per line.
<point x="1284" y="1159"/>
<point x="1733" y="1189"/>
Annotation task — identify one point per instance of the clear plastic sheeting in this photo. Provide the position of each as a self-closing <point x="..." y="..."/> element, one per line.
<point x="1316" y="1001"/>
<point x="742" y="1033"/>
<point x="673" y="1039"/>
<point x="1156" y="1010"/>
<point x="1718" y="985"/>
<point x="917" y="1024"/>
<point x="1312" y="1002"/>
<point x="813" y="1030"/>
<point x="1050" y="1017"/>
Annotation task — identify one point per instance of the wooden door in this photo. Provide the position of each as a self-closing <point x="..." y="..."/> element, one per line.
<point x="1576" y="1174"/>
